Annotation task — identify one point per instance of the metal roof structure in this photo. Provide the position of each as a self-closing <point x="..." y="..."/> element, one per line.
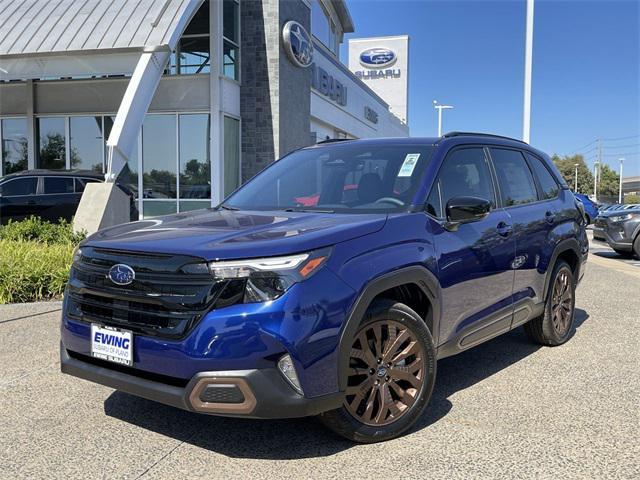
<point x="44" y="27"/>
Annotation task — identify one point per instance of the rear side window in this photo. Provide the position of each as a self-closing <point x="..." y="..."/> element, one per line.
<point x="464" y="173"/>
<point x="517" y="186"/>
<point x="548" y="185"/>
<point x="82" y="182"/>
<point x="58" y="185"/>
<point x="19" y="186"/>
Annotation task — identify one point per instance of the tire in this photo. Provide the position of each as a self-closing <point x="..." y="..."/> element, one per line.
<point x="555" y="325"/>
<point x="364" y="417"/>
<point x="636" y="246"/>
<point x="587" y="218"/>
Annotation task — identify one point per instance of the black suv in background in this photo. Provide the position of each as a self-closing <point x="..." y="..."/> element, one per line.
<point x="48" y="194"/>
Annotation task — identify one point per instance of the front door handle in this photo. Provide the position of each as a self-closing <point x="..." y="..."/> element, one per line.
<point x="550" y="217"/>
<point x="504" y="229"/>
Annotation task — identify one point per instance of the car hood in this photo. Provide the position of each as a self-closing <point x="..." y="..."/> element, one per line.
<point x="615" y="213"/>
<point x="224" y="234"/>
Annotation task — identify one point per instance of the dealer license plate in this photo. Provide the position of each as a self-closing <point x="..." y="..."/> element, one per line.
<point x="112" y="344"/>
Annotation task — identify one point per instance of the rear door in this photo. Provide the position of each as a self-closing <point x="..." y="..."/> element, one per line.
<point x="531" y="196"/>
<point x="18" y="198"/>
<point x="475" y="260"/>
<point x="58" y="198"/>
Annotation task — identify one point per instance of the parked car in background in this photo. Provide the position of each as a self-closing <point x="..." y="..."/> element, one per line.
<point x="590" y="207"/>
<point x="332" y="282"/>
<point x="620" y="229"/>
<point x="49" y="194"/>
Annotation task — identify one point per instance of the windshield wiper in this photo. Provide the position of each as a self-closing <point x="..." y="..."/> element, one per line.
<point x="308" y="210"/>
<point x="227" y="207"/>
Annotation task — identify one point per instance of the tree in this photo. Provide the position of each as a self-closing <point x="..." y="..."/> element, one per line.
<point x="629" y="199"/>
<point x="567" y="167"/>
<point x="608" y="181"/>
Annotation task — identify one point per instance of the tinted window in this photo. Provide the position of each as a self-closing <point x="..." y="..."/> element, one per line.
<point x="514" y="177"/>
<point x="53" y="185"/>
<point x="347" y="177"/>
<point x="464" y="173"/>
<point x="19" y="186"/>
<point x="548" y="184"/>
<point x="82" y="182"/>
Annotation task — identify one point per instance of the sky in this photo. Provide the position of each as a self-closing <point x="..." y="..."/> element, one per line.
<point x="470" y="54"/>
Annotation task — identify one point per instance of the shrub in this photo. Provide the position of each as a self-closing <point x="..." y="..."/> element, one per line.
<point x="33" y="271"/>
<point x="36" y="229"/>
<point x="35" y="257"/>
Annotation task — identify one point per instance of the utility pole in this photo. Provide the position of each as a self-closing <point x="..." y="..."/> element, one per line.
<point x="575" y="189"/>
<point x="439" y="107"/>
<point x="620" y="191"/>
<point x="595" y="180"/>
<point x="528" y="60"/>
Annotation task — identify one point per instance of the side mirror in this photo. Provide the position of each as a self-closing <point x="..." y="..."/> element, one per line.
<point x="465" y="210"/>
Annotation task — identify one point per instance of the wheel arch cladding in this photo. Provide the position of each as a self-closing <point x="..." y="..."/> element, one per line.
<point x="569" y="251"/>
<point x="414" y="284"/>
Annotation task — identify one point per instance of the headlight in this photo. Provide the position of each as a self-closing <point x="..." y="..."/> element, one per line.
<point x="265" y="279"/>
<point x="621" y="218"/>
<point x="77" y="254"/>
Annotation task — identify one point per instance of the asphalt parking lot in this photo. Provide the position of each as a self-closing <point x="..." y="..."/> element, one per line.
<point x="506" y="409"/>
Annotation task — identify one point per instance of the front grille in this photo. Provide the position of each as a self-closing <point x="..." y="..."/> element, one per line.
<point x="165" y="299"/>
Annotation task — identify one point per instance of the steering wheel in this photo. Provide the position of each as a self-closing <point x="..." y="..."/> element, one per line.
<point x="395" y="201"/>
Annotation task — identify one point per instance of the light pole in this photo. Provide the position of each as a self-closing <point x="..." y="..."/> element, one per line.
<point x="528" y="60"/>
<point x="595" y="180"/>
<point x="576" y="182"/>
<point x="620" y="191"/>
<point x="439" y="107"/>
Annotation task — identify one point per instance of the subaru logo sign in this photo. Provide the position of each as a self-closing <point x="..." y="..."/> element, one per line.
<point x="121" y="274"/>
<point x="377" y="57"/>
<point x="297" y="44"/>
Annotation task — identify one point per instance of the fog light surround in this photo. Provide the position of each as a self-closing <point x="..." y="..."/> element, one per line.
<point x="285" y="365"/>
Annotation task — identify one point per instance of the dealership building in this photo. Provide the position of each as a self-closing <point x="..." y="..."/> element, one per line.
<point x="182" y="100"/>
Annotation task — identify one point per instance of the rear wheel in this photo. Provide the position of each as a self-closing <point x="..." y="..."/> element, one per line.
<point x="636" y="246"/>
<point x="390" y="376"/>
<point x="555" y="325"/>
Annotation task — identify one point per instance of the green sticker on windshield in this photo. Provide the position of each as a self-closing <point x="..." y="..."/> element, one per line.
<point x="406" y="170"/>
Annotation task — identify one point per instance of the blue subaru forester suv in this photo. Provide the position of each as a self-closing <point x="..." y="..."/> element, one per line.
<point x="332" y="282"/>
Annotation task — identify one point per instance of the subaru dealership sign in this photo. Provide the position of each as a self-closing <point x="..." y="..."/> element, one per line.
<point x="382" y="64"/>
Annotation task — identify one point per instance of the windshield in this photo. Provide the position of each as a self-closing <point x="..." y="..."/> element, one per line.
<point x="347" y="178"/>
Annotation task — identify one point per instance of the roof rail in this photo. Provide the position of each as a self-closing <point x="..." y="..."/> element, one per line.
<point x="478" y="134"/>
<point x="333" y="140"/>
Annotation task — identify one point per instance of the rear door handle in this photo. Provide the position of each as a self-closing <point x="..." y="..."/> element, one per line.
<point x="504" y="229"/>
<point x="550" y="217"/>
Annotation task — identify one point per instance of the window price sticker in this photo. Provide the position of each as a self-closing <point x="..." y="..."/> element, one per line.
<point x="406" y="170"/>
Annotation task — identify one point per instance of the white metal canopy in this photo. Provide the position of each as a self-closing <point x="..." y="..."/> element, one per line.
<point x="63" y="38"/>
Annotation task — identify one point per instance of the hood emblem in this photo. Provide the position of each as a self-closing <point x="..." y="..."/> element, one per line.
<point x="121" y="274"/>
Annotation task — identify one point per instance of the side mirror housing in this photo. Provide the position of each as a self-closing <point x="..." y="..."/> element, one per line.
<point x="464" y="210"/>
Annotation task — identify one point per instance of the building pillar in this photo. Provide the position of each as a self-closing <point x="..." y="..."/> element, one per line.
<point x="275" y="102"/>
<point x="31" y="126"/>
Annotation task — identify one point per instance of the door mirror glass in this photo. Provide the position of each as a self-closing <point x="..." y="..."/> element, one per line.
<point x="467" y="209"/>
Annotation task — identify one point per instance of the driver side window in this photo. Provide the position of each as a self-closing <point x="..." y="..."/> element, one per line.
<point x="464" y="173"/>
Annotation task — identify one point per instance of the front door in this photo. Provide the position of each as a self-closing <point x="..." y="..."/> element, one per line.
<point x="474" y="261"/>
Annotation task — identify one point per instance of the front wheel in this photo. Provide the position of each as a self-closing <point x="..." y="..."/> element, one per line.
<point x="390" y="376"/>
<point x="636" y="246"/>
<point x="554" y="326"/>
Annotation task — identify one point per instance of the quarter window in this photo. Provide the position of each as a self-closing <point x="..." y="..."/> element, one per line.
<point x="464" y="173"/>
<point x="19" y="186"/>
<point x="514" y="177"/>
<point x="548" y="185"/>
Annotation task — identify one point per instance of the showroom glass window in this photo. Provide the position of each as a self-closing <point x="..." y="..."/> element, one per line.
<point x="159" y="167"/>
<point x="14" y="145"/>
<point x="195" y="167"/>
<point x="231" y="155"/>
<point x="51" y="144"/>
<point x="231" y="39"/>
<point x="193" y="53"/>
<point x="85" y="143"/>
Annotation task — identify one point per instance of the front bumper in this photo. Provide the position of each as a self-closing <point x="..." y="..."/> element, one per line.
<point x="263" y="392"/>
<point x="614" y="235"/>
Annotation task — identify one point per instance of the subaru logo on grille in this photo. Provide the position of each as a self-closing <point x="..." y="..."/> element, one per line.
<point x="377" y="57"/>
<point x="121" y="274"/>
<point x="297" y="43"/>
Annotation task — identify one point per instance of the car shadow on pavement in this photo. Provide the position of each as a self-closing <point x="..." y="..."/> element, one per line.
<point x="306" y="437"/>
